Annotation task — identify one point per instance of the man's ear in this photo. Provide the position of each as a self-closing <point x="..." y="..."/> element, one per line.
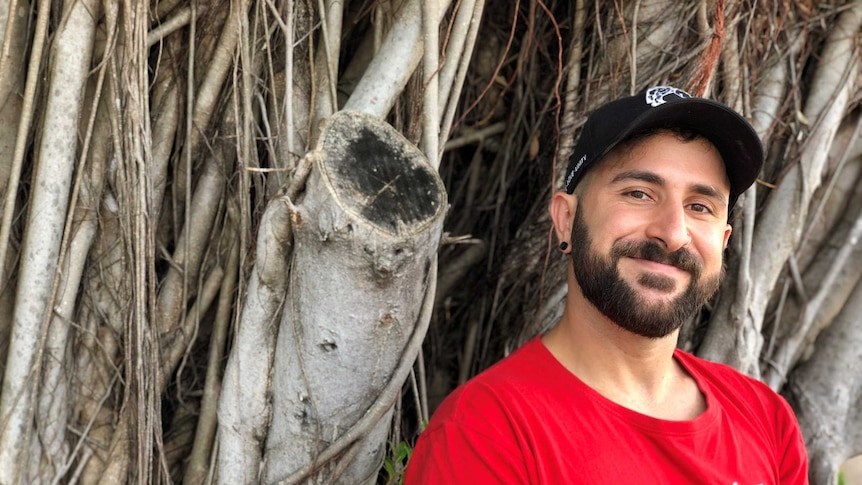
<point x="727" y="231"/>
<point x="563" y="207"/>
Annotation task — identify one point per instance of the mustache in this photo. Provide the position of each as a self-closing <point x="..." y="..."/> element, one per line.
<point x="651" y="251"/>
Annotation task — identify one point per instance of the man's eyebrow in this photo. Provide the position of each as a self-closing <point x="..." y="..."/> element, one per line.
<point x="653" y="178"/>
<point x="641" y="175"/>
<point x="708" y="191"/>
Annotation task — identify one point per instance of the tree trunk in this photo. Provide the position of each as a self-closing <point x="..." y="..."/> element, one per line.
<point x="365" y="232"/>
<point x="35" y="297"/>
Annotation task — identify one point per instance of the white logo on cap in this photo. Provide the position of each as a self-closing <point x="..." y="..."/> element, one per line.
<point x="655" y="96"/>
<point x="580" y="162"/>
<point x="575" y="170"/>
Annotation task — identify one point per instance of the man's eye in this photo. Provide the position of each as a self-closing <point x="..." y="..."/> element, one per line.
<point x="701" y="208"/>
<point x="638" y="194"/>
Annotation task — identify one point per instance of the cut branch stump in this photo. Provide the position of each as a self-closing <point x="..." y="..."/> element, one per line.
<point x="365" y="236"/>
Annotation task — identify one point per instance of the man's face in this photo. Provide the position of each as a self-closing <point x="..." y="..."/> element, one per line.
<point x="649" y="231"/>
<point x="602" y="284"/>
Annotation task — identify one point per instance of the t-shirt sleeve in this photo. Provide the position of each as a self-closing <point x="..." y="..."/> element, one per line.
<point x="453" y="454"/>
<point x="794" y="458"/>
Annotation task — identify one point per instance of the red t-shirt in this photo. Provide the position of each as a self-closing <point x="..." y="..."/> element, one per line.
<point x="528" y="420"/>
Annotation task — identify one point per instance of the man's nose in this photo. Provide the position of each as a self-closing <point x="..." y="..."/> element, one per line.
<point x="668" y="226"/>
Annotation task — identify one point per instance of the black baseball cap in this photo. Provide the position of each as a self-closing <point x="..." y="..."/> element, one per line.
<point x="670" y="107"/>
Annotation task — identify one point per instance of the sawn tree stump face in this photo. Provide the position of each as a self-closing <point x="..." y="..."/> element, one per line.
<point x="366" y="231"/>
<point x="387" y="185"/>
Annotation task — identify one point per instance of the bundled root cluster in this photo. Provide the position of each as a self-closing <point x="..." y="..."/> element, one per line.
<point x="140" y="144"/>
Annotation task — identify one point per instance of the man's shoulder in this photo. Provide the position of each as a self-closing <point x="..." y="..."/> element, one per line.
<point x="523" y="363"/>
<point x="750" y="406"/>
<point x="486" y="429"/>
<point x="730" y="385"/>
<point x="718" y="371"/>
<point x="498" y="388"/>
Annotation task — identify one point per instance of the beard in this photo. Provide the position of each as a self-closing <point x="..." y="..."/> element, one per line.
<point x="603" y="286"/>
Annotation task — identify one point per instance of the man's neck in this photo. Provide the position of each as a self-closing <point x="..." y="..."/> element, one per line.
<point x="634" y="371"/>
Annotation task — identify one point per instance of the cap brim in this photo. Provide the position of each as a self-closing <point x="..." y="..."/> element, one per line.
<point x="730" y="133"/>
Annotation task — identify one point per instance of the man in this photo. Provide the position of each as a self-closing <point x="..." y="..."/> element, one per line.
<point x="605" y="396"/>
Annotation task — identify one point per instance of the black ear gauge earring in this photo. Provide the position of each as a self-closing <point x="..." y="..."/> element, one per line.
<point x="564" y="245"/>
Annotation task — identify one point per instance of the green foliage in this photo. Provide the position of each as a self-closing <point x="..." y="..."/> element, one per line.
<point x="396" y="462"/>
<point x="841" y="478"/>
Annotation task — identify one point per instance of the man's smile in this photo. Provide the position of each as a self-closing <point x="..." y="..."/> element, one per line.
<point x="659" y="266"/>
